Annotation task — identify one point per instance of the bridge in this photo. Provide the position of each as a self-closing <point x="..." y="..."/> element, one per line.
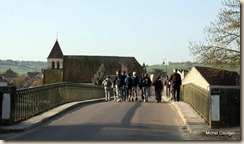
<point x="77" y="112"/>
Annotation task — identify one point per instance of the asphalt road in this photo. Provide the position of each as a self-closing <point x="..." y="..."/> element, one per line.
<point x="112" y="121"/>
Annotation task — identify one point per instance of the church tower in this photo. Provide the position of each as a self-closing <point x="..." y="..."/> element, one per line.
<point x="55" y="58"/>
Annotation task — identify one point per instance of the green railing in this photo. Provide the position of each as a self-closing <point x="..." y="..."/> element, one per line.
<point x="32" y="101"/>
<point x="198" y="98"/>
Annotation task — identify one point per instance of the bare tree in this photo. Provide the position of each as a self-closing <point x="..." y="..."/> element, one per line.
<point x="100" y="75"/>
<point x="221" y="47"/>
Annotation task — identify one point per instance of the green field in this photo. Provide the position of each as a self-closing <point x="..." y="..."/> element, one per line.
<point x="19" y="69"/>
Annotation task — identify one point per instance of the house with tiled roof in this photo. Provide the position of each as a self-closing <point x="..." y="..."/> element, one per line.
<point x="203" y="77"/>
<point x="10" y="76"/>
<point x="215" y="94"/>
<point x="31" y="78"/>
<point x="82" y="68"/>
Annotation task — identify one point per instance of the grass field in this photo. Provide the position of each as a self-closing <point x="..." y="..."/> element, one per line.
<point x="19" y="69"/>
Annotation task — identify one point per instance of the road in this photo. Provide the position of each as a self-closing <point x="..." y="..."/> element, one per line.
<point x="112" y="121"/>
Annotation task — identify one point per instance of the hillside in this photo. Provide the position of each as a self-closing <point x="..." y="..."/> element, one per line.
<point x="22" y="67"/>
<point x="185" y="66"/>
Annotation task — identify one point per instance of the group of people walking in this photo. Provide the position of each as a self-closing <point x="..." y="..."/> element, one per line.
<point x="126" y="87"/>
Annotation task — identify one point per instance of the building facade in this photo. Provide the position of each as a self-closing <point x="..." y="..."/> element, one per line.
<point x="81" y="68"/>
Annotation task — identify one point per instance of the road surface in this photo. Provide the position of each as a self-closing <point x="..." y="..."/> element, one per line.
<point x="112" y="121"/>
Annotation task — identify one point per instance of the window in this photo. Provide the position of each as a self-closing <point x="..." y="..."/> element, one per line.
<point x="53" y="65"/>
<point x="58" y="65"/>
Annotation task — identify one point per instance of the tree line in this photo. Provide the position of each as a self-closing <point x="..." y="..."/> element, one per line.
<point x="23" y="63"/>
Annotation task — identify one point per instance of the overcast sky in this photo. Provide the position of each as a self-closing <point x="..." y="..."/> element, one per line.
<point x="149" y="30"/>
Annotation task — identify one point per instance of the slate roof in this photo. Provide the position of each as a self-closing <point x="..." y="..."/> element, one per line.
<point x="56" y="52"/>
<point x="223" y="77"/>
<point x="33" y="74"/>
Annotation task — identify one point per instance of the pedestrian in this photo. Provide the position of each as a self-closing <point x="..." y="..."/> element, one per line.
<point x="141" y="87"/>
<point x="146" y="84"/>
<point x="128" y="87"/>
<point x="123" y="89"/>
<point x="135" y="83"/>
<point x="167" y="86"/>
<point x="175" y="79"/>
<point x="107" y="87"/>
<point x="118" y="86"/>
<point x="158" y="87"/>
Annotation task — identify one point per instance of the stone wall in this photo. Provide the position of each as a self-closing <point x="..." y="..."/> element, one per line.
<point x="53" y="76"/>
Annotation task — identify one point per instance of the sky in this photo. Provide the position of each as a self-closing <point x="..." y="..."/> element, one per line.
<point x="152" y="31"/>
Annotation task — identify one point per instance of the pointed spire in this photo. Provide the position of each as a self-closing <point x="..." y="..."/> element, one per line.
<point x="56" y="51"/>
<point x="57" y="36"/>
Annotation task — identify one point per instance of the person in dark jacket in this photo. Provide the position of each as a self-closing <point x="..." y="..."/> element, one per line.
<point x="135" y="83"/>
<point x="140" y="86"/>
<point x="123" y="88"/>
<point x="118" y="86"/>
<point x="175" y="79"/>
<point x="158" y="87"/>
<point x="146" y="85"/>
<point x="128" y="87"/>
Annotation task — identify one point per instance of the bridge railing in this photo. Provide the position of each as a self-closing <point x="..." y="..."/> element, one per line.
<point x="32" y="101"/>
<point x="219" y="106"/>
<point x="198" y="98"/>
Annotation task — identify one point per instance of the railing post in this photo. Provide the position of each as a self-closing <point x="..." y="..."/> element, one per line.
<point x="8" y="95"/>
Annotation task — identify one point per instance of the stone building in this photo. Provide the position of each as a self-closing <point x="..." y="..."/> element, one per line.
<point x="81" y="68"/>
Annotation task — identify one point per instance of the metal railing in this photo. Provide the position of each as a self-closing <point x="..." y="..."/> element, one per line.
<point x="32" y="101"/>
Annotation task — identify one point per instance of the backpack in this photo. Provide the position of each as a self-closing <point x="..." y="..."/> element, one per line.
<point x="158" y="84"/>
<point x="135" y="81"/>
<point x="119" y="81"/>
<point x="107" y="83"/>
<point x="128" y="81"/>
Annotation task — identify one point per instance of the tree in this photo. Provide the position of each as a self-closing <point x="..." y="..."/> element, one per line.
<point x="100" y="75"/>
<point x="158" y="72"/>
<point x="10" y="72"/>
<point x="222" y="45"/>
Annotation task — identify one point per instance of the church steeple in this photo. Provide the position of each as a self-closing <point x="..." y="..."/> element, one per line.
<point x="56" y="51"/>
<point x="55" y="58"/>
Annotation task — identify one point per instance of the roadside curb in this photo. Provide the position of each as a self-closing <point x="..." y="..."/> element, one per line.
<point x="195" y="124"/>
<point x="192" y="120"/>
<point x="45" y="116"/>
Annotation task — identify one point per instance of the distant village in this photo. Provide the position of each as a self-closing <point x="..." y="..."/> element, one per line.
<point x="30" y="79"/>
